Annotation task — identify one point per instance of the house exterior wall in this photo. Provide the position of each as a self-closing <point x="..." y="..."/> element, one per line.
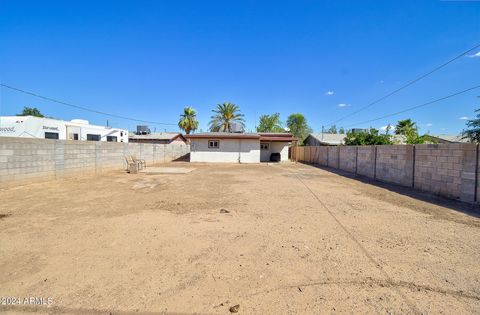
<point x="282" y="148"/>
<point x="311" y="141"/>
<point x="229" y="151"/>
<point x="265" y="155"/>
<point x="275" y="147"/>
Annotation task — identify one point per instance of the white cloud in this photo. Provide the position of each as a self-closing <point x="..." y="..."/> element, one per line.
<point x="343" y="105"/>
<point x="384" y="128"/>
<point x="477" y="55"/>
<point x="429" y="125"/>
<point x="329" y="93"/>
<point x="463" y="118"/>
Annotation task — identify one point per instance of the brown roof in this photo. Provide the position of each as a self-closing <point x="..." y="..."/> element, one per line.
<point x="223" y="135"/>
<point x="264" y="136"/>
<point x="270" y="136"/>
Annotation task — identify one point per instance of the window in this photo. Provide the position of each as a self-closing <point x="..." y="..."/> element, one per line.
<point x="264" y="146"/>
<point x="213" y="144"/>
<point x="51" y="135"/>
<point x="73" y="136"/>
<point x="111" y="138"/>
<point x="91" y="137"/>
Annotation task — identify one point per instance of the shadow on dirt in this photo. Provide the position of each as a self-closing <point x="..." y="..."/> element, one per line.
<point x="456" y="205"/>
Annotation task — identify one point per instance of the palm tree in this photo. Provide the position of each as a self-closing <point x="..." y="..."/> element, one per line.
<point x="226" y="115"/>
<point x="188" y="120"/>
<point x="473" y="133"/>
<point x="405" y="126"/>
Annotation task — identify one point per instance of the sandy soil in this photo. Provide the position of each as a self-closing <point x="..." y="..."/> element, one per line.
<point x="297" y="240"/>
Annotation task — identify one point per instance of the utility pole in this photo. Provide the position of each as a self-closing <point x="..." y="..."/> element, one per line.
<point x="322" y="132"/>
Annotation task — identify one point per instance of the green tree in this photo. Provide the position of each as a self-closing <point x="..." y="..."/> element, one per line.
<point x="297" y="123"/>
<point x="188" y="120"/>
<point x="341" y="130"/>
<point x="225" y="116"/>
<point x="409" y="129"/>
<point x="387" y="130"/>
<point x="473" y="131"/>
<point x="412" y="137"/>
<point x="404" y="126"/>
<point x="30" y="111"/>
<point x="372" y="137"/>
<point x="270" y="123"/>
<point x="332" y="129"/>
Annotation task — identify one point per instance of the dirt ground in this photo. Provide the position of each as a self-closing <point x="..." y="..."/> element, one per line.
<point x="296" y="240"/>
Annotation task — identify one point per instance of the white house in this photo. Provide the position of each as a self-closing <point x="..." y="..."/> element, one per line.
<point x="239" y="147"/>
<point x="47" y="128"/>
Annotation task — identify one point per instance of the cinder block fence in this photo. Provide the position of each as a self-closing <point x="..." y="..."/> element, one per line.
<point x="26" y="159"/>
<point x="449" y="170"/>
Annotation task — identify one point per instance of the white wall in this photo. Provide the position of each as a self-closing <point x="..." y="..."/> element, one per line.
<point x="275" y="147"/>
<point x="230" y="151"/>
<point x="281" y="147"/>
<point x="265" y="154"/>
<point x="35" y="127"/>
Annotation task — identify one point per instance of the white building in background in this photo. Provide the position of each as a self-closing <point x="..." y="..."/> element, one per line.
<point x="239" y="147"/>
<point x="47" y="128"/>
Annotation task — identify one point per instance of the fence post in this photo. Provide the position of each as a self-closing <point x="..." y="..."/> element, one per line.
<point x="375" y="162"/>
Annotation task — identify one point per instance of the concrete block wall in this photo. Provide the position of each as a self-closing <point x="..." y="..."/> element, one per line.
<point x="332" y="155"/>
<point x="438" y="168"/>
<point x="323" y="155"/>
<point x="366" y="160"/>
<point x="347" y="158"/>
<point x="320" y="155"/>
<point x="450" y="170"/>
<point x="394" y="164"/>
<point x="28" y="159"/>
<point x="24" y="159"/>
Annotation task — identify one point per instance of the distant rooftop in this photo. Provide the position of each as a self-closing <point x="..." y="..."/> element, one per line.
<point x="329" y="138"/>
<point x="155" y="136"/>
<point x="449" y="138"/>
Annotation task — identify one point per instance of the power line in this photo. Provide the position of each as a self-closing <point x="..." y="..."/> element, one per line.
<point x="406" y="85"/>
<point x="84" y="108"/>
<point x="416" y="106"/>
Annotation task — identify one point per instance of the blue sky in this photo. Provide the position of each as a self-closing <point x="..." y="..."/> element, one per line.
<point x="149" y="59"/>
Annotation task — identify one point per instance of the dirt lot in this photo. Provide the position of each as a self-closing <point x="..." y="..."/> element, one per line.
<point x="297" y="239"/>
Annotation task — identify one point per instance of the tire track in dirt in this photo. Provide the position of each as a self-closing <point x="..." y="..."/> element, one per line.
<point x="369" y="281"/>
<point x="359" y="245"/>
